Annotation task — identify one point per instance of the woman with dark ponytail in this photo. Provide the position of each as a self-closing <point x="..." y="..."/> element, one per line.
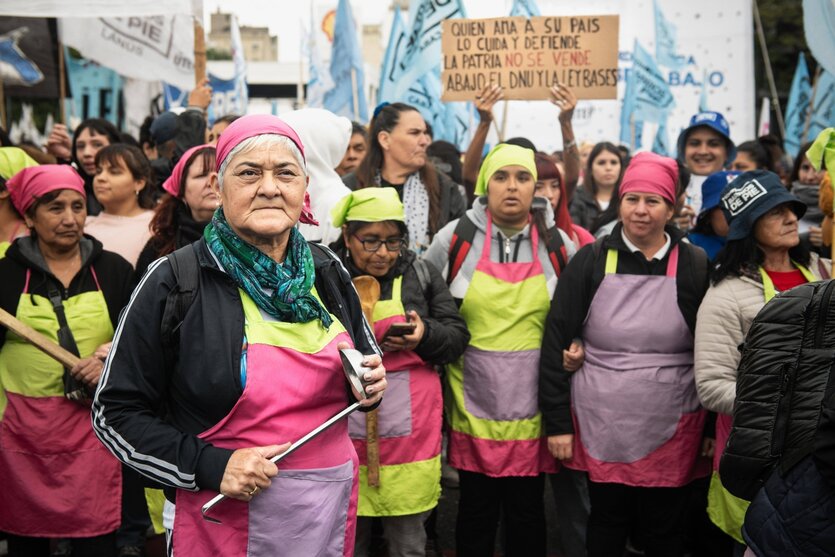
<point x="397" y="158"/>
<point x="504" y="279"/>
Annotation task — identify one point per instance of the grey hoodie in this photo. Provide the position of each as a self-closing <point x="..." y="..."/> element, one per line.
<point x="438" y="252"/>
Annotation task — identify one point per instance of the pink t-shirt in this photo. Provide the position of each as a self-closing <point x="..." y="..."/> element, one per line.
<point x="123" y="235"/>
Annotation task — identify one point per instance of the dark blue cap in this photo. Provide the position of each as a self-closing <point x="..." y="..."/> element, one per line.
<point x="714" y="121"/>
<point x="751" y="195"/>
<point x="164" y="127"/>
<point x="712" y="188"/>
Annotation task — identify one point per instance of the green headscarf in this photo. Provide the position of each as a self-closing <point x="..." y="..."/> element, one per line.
<point x="823" y="150"/>
<point x="368" y="205"/>
<point x="500" y="156"/>
<point x="13" y="160"/>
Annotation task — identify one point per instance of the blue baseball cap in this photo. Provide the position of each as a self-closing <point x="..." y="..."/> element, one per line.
<point x="164" y="127"/>
<point x="751" y="195"/>
<point x="714" y="121"/>
<point x="712" y="188"/>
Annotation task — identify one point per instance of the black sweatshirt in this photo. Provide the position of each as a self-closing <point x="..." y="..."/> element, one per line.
<point x="575" y="291"/>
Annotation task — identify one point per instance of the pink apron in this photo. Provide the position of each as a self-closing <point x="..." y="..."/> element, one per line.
<point x="294" y="382"/>
<point x="409" y="427"/>
<point x="56" y="478"/>
<point x="637" y="415"/>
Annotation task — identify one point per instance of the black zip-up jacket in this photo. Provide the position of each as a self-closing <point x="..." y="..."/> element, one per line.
<point x="445" y="334"/>
<point x="575" y="291"/>
<point x="148" y="412"/>
<point x="115" y="275"/>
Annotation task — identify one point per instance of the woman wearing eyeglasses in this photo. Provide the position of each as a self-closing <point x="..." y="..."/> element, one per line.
<point x="418" y="326"/>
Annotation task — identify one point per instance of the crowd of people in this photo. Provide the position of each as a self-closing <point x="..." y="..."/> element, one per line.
<point x="526" y="318"/>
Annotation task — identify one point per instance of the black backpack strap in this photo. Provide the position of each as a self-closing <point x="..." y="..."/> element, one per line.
<point x="459" y="247"/>
<point x="186" y="271"/>
<point x="73" y="388"/>
<point x="557" y="253"/>
<point x="422" y="271"/>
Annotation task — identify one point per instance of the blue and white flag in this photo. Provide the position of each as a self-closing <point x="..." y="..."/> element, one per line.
<point x="823" y="106"/>
<point x="224" y="97"/>
<point x="395" y="49"/>
<point x="652" y="100"/>
<point x="15" y="67"/>
<point x="449" y="121"/>
<point x="527" y="8"/>
<point x="422" y="50"/>
<point x="347" y="97"/>
<point x="665" y="41"/>
<point x="319" y="79"/>
<point x="819" y="31"/>
<point x="661" y="143"/>
<point x="241" y="99"/>
<point x="798" y="107"/>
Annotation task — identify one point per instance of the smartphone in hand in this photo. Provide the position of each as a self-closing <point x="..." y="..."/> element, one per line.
<point x="400" y="330"/>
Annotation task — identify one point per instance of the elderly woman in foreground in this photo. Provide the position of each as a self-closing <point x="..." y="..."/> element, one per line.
<point x="201" y="402"/>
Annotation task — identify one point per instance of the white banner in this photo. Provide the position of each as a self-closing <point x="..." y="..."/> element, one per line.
<point x="715" y="44"/>
<point x="97" y="8"/>
<point x="149" y="48"/>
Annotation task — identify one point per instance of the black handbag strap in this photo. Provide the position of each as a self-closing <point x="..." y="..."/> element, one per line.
<point x="65" y="337"/>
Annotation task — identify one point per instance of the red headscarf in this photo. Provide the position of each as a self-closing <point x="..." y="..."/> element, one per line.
<point x="651" y="173"/>
<point x="172" y="183"/>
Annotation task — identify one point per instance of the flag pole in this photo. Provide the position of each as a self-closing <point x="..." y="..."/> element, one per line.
<point x="809" y="111"/>
<point x="631" y="131"/>
<point x="504" y="121"/>
<point x="775" y="100"/>
<point x="199" y="53"/>
<point x="355" y="93"/>
<point x="62" y="86"/>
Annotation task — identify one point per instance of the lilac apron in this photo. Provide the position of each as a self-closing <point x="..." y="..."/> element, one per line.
<point x="637" y="415"/>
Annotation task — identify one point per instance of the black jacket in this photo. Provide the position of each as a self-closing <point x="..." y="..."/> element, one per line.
<point x="583" y="208"/>
<point x="148" y="412"/>
<point x="115" y="275"/>
<point x="188" y="231"/>
<point x="453" y="203"/>
<point x="572" y="300"/>
<point x="446" y="336"/>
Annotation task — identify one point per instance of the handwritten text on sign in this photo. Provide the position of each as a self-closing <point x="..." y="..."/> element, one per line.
<point x="528" y="56"/>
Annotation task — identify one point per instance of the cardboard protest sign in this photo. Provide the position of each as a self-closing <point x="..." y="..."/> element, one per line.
<point x="527" y="57"/>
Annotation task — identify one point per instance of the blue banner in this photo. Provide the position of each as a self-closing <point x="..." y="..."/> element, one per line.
<point x="346" y="68"/>
<point x="665" y="41"/>
<point x="823" y="106"/>
<point x="661" y="143"/>
<point x="797" y="107"/>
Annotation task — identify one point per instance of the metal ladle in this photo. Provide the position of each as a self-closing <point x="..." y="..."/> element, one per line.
<point x="353" y="368"/>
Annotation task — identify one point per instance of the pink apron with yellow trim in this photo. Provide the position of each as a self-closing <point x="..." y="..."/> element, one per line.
<point x="310" y="508"/>
<point x="56" y="478"/>
<point x="637" y="416"/>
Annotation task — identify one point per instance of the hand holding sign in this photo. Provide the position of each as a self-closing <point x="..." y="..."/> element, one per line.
<point x="485" y="102"/>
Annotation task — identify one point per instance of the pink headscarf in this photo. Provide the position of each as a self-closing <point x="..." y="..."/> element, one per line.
<point x="172" y="183"/>
<point x="260" y="124"/>
<point x="29" y="184"/>
<point x="651" y="173"/>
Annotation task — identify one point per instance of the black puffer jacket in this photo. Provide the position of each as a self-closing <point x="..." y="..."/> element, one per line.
<point x="584" y="209"/>
<point x="446" y="335"/>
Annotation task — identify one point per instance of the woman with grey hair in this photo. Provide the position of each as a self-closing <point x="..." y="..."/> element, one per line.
<point x="198" y="394"/>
